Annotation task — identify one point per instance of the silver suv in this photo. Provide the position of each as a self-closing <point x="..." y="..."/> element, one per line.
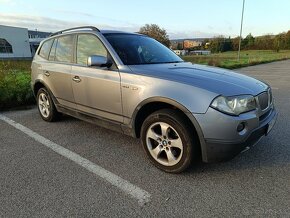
<point x="131" y="83"/>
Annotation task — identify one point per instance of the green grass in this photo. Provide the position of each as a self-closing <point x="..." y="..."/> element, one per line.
<point x="15" y="87"/>
<point x="248" y="58"/>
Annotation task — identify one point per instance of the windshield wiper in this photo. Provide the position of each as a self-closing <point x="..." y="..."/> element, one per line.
<point x="172" y="62"/>
<point x="168" y="62"/>
<point x="147" y="63"/>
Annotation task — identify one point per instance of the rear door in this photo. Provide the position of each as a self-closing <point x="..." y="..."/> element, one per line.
<point x="58" y="70"/>
<point x="96" y="89"/>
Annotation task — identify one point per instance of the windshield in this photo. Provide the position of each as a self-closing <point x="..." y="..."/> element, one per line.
<point x="137" y="49"/>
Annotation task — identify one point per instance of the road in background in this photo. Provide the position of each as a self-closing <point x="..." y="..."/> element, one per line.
<point x="36" y="181"/>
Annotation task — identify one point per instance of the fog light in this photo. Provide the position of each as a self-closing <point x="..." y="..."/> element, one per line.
<point x="241" y="127"/>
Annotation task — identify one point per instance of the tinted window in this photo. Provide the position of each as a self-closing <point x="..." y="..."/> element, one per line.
<point x="137" y="49"/>
<point x="51" y="56"/>
<point x="89" y="45"/>
<point x="5" y="46"/>
<point x="45" y="48"/>
<point x="64" y="49"/>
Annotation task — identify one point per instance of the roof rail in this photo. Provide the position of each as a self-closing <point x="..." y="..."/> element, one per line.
<point x="76" y="28"/>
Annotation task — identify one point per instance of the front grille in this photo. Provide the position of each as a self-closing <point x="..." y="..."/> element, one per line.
<point x="263" y="99"/>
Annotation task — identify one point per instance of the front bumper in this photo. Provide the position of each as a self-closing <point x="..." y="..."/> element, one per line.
<point x="229" y="142"/>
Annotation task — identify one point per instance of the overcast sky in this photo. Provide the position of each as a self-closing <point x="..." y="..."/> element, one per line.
<point x="181" y="19"/>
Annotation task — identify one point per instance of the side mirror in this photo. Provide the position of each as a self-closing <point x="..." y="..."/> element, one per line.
<point x="99" y="61"/>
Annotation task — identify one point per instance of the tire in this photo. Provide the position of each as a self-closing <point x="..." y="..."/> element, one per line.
<point x="46" y="106"/>
<point x="174" y="152"/>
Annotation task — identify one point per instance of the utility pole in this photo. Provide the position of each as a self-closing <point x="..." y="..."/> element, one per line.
<point x="241" y="30"/>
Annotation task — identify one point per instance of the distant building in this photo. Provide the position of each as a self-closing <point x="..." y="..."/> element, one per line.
<point x="187" y="44"/>
<point x="35" y="37"/>
<point x="200" y="52"/>
<point x="180" y="52"/>
<point x="14" y="42"/>
<point x="19" y="43"/>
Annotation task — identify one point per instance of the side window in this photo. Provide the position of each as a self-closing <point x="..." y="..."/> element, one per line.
<point x="45" y="48"/>
<point x="51" y="56"/>
<point x="64" y="49"/>
<point x="88" y="45"/>
<point x="5" y="46"/>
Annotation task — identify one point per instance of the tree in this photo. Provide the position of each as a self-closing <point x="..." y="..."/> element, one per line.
<point x="216" y="44"/>
<point x="154" y="31"/>
<point x="235" y="43"/>
<point x="265" y="42"/>
<point x="279" y="42"/>
<point x="287" y="40"/>
<point x="220" y="44"/>
<point x="180" y="46"/>
<point x="248" y="42"/>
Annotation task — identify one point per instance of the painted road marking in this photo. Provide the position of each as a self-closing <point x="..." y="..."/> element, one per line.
<point x="134" y="191"/>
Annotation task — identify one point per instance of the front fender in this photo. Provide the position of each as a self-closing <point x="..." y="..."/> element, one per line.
<point x="139" y="88"/>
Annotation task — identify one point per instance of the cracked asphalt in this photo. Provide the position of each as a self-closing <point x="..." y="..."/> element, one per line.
<point x="35" y="181"/>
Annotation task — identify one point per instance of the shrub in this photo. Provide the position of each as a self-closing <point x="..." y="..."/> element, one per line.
<point x="214" y="62"/>
<point x="15" y="87"/>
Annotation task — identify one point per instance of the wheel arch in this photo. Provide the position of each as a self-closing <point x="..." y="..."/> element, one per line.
<point x="40" y="84"/>
<point x="153" y="104"/>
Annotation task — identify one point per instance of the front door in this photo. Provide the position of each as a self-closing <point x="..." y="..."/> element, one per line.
<point x="96" y="89"/>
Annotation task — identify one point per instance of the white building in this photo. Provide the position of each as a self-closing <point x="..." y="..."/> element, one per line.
<point x="35" y="37"/>
<point x="180" y="52"/>
<point x="14" y="42"/>
<point x="200" y="52"/>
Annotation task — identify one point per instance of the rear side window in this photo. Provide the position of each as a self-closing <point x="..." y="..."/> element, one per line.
<point x="64" y="49"/>
<point x="45" y="48"/>
<point x="51" y="56"/>
<point x="89" y="45"/>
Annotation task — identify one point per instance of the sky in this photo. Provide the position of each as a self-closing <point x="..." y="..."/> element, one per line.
<point x="181" y="19"/>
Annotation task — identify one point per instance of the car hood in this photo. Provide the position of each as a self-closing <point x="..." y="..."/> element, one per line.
<point x="217" y="80"/>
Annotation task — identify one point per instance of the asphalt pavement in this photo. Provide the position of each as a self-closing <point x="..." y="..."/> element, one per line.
<point x="73" y="168"/>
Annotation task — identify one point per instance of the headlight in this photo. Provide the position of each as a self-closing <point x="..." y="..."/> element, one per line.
<point x="234" y="105"/>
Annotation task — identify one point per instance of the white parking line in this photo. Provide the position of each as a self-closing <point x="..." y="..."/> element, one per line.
<point x="141" y="195"/>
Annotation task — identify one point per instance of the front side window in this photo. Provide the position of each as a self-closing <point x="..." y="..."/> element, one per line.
<point x="45" y="48"/>
<point x="5" y="46"/>
<point x="64" y="49"/>
<point x="138" y="49"/>
<point x="88" y="45"/>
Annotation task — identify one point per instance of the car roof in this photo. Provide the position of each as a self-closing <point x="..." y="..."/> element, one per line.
<point x="114" y="31"/>
<point x="92" y="29"/>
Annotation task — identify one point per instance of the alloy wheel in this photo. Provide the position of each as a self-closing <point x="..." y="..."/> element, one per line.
<point x="164" y="143"/>
<point x="43" y="105"/>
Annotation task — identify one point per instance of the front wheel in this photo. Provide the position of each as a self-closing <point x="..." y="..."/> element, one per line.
<point x="168" y="140"/>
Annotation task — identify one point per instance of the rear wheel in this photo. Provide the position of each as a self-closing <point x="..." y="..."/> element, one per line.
<point x="168" y="141"/>
<point x="46" y="107"/>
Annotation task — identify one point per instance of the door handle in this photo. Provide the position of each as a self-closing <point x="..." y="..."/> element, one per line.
<point x="76" y="79"/>
<point x="47" y="73"/>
